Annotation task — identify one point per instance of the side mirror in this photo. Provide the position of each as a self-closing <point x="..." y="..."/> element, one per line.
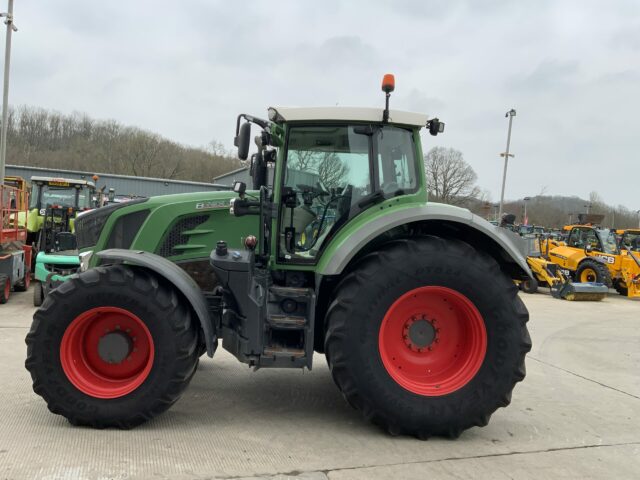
<point x="242" y="140"/>
<point x="240" y="188"/>
<point x="435" y="126"/>
<point x="588" y="248"/>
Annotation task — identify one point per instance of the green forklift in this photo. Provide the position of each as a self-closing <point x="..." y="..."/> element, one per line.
<point x="412" y="303"/>
<point x="57" y="257"/>
<point x="53" y="207"/>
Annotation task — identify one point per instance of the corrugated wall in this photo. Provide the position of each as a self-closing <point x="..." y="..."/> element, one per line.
<point x="123" y="184"/>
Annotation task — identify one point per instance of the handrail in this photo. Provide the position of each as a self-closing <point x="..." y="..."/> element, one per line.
<point x="11" y="198"/>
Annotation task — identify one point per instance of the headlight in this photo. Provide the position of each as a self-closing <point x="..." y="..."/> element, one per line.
<point x="84" y="260"/>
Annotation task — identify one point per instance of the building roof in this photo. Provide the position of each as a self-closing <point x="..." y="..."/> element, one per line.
<point x="359" y="114"/>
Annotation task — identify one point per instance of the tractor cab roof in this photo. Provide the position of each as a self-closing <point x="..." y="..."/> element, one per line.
<point x="63" y="182"/>
<point x="347" y="114"/>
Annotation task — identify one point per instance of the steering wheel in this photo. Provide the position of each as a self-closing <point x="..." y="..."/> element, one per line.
<point x="317" y="191"/>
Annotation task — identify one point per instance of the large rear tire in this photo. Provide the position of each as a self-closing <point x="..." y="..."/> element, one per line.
<point x="113" y="347"/>
<point x="427" y="337"/>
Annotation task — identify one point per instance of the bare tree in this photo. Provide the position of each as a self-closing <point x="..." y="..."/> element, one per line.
<point x="449" y="178"/>
<point x="332" y="171"/>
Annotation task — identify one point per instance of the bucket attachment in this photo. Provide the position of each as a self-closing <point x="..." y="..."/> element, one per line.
<point x="585" y="291"/>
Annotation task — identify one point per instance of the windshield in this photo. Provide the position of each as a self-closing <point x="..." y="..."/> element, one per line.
<point x="330" y="177"/>
<point x="608" y="238"/>
<point x="44" y="195"/>
<point x="631" y="240"/>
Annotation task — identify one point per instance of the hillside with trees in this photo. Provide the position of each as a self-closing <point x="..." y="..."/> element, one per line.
<point x="43" y="138"/>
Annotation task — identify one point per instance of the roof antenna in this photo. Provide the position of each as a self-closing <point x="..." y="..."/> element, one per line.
<point x="388" y="85"/>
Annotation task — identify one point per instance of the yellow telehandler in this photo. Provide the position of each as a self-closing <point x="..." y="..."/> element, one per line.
<point x="594" y="254"/>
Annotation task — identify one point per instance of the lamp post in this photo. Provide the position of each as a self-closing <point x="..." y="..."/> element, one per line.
<point x="511" y="113"/>
<point x="526" y="219"/>
<point x="5" y="93"/>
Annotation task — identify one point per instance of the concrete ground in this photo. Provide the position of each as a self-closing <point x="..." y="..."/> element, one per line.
<point x="576" y="415"/>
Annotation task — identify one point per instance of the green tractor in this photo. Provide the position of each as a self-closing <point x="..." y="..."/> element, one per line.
<point x="412" y="303"/>
<point x="58" y="192"/>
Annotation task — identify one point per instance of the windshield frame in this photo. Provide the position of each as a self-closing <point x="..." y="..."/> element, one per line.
<point x="286" y="258"/>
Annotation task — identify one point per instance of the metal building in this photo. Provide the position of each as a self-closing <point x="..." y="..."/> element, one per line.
<point x="122" y="184"/>
<point x="239" y="175"/>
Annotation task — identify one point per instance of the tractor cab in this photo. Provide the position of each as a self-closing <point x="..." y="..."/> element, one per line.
<point x="332" y="164"/>
<point x="334" y="172"/>
<point x="630" y="239"/>
<point x="58" y="193"/>
<point x="63" y="192"/>
<point x="593" y="239"/>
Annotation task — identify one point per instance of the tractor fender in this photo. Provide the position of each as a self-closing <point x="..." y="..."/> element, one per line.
<point x="344" y="249"/>
<point x="173" y="274"/>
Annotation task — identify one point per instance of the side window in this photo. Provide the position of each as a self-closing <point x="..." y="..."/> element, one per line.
<point x="396" y="160"/>
<point x="590" y="238"/>
<point x="574" y="238"/>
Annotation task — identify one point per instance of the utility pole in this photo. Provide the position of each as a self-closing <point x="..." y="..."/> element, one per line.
<point x="525" y="220"/>
<point x="5" y="92"/>
<point x="511" y="113"/>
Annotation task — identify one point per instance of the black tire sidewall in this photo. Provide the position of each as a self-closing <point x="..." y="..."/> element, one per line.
<point x="530" y="285"/>
<point x="38" y="294"/>
<point x="3" y="282"/>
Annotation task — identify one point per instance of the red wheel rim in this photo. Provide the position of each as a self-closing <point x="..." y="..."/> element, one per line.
<point x="107" y="352"/>
<point x="432" y="341"/>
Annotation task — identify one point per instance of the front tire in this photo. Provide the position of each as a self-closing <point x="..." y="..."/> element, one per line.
<point x="530" y="285"/>
<point x="38" y="294"/>
<point x="24" y="284"/>
<point x="113" y="347"/>
<point x="5" y="288"/>
<point x="621" y="288"/>
<point x="427" y="337"/>
<point x="590" y="270"/>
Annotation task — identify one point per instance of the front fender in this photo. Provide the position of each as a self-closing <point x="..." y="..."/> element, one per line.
<point x="173" y="274"/>
<point x="347" y="244"/>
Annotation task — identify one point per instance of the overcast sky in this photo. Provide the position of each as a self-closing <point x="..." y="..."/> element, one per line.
<point x="185" y="69"/>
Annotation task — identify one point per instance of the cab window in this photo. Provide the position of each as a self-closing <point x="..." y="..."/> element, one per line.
<point x="329" y="172"/>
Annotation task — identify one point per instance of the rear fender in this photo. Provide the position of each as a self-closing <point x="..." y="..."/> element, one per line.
<point x="174" y="275"/>
<point x="505" y="246"/>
